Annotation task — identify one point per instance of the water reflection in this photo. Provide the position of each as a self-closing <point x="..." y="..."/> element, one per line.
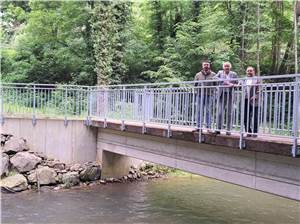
<point x="191" y="199"/>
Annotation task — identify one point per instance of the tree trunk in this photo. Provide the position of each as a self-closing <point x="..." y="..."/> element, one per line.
<point x="196" y="10"/>
<point x="276" y="42"/>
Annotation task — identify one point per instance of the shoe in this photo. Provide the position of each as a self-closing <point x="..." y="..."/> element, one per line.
<point x="217" y="132"/>
<point x="254" y="135"/>
<point x="228" y="133"/>
<point x="248" y="135"/>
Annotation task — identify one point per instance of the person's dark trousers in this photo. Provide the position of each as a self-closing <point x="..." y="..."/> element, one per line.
<point x="206" y="104"/>
<point x="225" y="106"/>
<point x="249" y="114"/>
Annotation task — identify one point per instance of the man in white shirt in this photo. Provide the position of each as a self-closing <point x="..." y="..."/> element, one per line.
<point x="225" y="91"/>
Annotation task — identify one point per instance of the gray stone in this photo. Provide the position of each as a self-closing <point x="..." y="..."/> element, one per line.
<point x="14" y="145"/>
<point x="32" y="178"/>
<point x="90" y="173"/>
<point x="59" y="178"/>
<point x="4" y="138"/>
<point x="59" y="166"/>
<point x="75" y="167"/>
<point x="40" y="154"/>
<point x="25" y="161"/>
<point x="56" y="164"/>
<point x="70" y="179"/>
<point x="56" y="188"/>
<point x="46" y="175"/>
<point x="151" y="173"/>
<point x="4" y="164"/>
<point x="14" y="183"/>
<point x="109" y="180"/>
<point x="102" y="182"/>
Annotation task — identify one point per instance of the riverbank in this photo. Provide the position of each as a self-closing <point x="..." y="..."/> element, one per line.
<point x="22" y="169"/>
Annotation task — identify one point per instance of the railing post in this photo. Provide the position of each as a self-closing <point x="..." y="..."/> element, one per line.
<point x="242" y="142"/>
<point x="66" y="106"/>
<point x="200" y="112"/>
<point x="89" y="106"/>
<point x="169" y="110"/>
<point x="34" y="107"/>
<point x="295" y="150"/>
<point x="123" y="108"/>
<point x="105" y="107"/>
<point x="2" y="105"/>
<point x="144" y="130"/>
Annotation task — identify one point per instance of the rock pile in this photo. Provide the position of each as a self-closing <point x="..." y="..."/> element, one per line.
<point x="22" y="169"/>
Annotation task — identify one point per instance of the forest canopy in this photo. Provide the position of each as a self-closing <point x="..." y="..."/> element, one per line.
<point x="111" y="42"/>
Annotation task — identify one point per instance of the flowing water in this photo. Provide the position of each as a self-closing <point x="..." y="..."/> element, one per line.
<point x="189" y="199"/>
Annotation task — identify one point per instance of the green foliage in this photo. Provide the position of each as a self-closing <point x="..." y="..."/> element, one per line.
<point x="112" y="42"/>
<point x="50" y="46"/>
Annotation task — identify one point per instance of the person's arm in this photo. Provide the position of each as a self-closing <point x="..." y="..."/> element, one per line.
<point x="217" y="77"/>
<point x="234" y="76"/>
<point x="196" y="79"/>
<point x="257" y="89"/>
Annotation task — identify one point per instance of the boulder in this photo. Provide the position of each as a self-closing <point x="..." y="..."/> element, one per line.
<point x="4" y="138"/>
<point x="90" y="173"/>
<point x="4" y="164"/>
<point x="46" y="175"/>
<point x="40" y="154"/>
<point x="70" y="179"/>
<point x="14" y="183"/>
<point x="32" y="178"/>
<point x="14" y="145"/>
<point x="59" y="166"/>
<point x="25" y="161"/>
<point x="76" y="167"/>
<point x="59" y="178"/>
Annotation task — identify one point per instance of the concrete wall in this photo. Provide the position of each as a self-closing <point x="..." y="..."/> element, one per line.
<point x="72" y="143"/>
<point x="266" y="172"/>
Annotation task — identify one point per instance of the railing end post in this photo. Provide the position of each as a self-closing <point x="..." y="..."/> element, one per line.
<point x="66" y="122"/>
<point x="144" y="129"/>
<point x="2" y="120"/>
<point x="34" y="120"/>
<point x="169" y="132"/>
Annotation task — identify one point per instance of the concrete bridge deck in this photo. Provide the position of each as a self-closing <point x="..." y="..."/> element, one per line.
<point x="263" y="143"/>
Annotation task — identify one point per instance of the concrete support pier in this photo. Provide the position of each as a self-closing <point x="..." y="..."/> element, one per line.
<point x="116" y="165"/>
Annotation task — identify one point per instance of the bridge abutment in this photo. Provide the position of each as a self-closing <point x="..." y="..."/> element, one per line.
<point x="72" y="143"/>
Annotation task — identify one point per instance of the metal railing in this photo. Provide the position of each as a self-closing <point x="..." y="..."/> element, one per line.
<point x="268" y="105"/>
<point x="36" y="100"/>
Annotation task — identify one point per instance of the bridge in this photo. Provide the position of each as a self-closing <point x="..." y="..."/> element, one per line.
<point x="204" y="127"/>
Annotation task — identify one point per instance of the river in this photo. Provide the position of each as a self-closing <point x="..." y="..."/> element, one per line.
<point x="187" y="199"/>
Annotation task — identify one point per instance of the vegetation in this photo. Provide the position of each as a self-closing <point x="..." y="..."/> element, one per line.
<point x="90" y="42"/>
